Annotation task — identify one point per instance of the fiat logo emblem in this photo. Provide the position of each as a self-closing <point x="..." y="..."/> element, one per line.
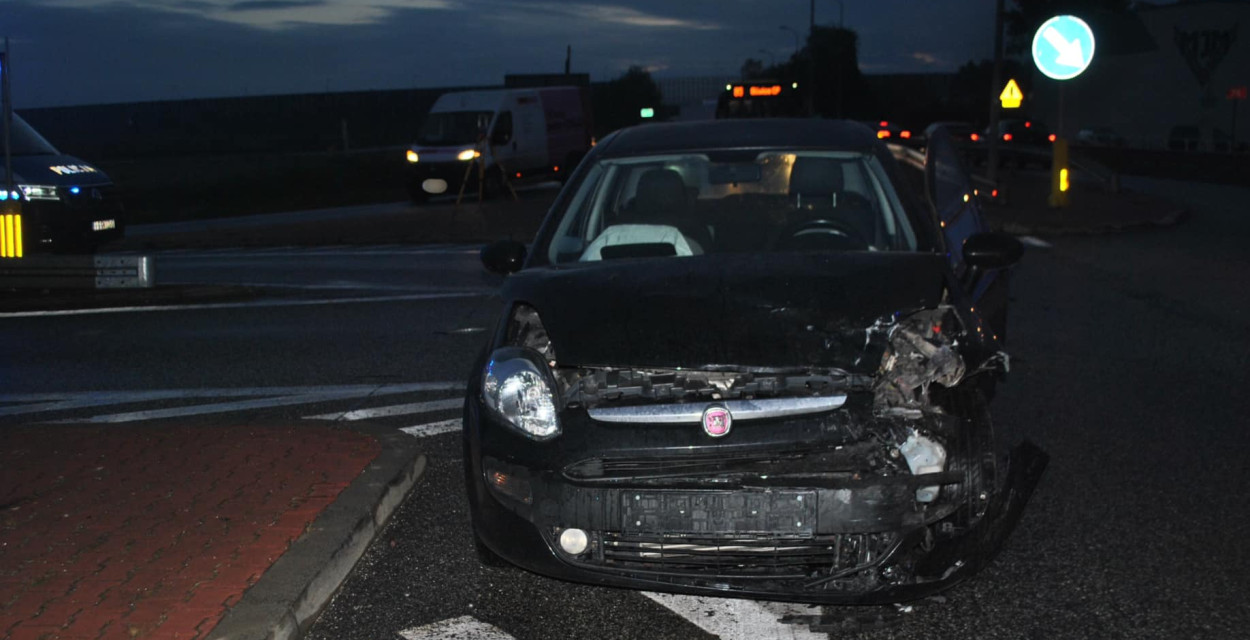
<point x="717" y="421"/>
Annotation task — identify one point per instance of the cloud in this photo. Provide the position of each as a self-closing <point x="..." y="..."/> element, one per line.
<point x="274" y="14"/>
<point x="620" y="16"/>
<point x="926" y="58"/>
<point x="261" y="5"/>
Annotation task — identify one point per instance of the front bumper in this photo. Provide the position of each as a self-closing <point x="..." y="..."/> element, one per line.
<point x="89" y="218"/>
<point x="814" y="537"/>
<point x="453" y="173"/>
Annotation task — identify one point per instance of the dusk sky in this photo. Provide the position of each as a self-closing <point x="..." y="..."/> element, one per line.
<point x="92" y="51"/>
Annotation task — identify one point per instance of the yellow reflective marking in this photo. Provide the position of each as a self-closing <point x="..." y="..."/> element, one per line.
<point x="1063" y="179"/>
<point x="17" y="236"/>
<point x="4" y="238"/>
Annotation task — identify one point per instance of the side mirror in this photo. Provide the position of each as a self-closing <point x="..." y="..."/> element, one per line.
<point x="503" y="257"/>
<point x="992" y="250"/>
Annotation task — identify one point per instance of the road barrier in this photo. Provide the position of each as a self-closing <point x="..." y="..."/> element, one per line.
<point x="77" y="272"/>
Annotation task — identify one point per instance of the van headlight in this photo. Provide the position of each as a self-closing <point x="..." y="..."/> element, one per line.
<point x="519" y="390"/>
<point x="413" y="157"/>
<point x="469" y="154"/>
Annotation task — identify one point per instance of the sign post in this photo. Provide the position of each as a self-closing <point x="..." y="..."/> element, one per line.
<point x="1063" y="48"/>
<point x="10" y="200"/>
<point x="1236" y="95"/>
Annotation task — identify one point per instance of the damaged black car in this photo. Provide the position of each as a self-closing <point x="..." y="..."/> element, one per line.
<point x="752" y="359"/>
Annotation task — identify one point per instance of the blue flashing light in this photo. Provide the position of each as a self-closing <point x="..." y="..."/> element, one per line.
<point x="4" y="195"/>
<point x="74" y="190"/>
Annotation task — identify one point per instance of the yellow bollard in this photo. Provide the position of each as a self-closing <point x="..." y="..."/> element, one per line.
<point x="1059" y="174"/>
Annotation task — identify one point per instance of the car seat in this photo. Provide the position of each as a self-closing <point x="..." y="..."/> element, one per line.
<point x="816" y="185"/>
<point x="660" y="213"/>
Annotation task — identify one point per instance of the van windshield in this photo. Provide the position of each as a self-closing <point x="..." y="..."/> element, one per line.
<point x="26" y="141"/>
<point x="454" y="127"/>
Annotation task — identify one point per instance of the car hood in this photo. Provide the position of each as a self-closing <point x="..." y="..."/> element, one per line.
<point x="775" y="310"/>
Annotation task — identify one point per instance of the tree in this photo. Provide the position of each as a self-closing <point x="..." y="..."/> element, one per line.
<point x="752" y="69"/>
<point x="617" y="103"/>
<point x="840" y="89"/>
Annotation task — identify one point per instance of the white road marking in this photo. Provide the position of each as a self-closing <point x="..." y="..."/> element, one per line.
<point x="263" y="397"/>
<point x="392" y="410"/>
<point x="337" y="285"/>
<point x="734" y="619"/>
<point x="434" y="428"/>
<point x="462" y="628"/>
<point x="203" y="409"/>
<point x="250" y="304"/>
<point x="183" y="255"/>
<point x="1034" y="241"/>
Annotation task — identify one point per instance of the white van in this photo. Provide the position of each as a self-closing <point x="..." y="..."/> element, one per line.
<point x="521" y="133"/>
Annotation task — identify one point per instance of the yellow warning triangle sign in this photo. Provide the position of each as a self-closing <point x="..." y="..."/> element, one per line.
<point x="1011" y="95"/>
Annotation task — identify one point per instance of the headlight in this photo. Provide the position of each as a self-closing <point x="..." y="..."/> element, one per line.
<point x="469" y="154"/>
<point x="39" y="192"/>
<point x="515" y="389"/>
<point x="413" y="157"/>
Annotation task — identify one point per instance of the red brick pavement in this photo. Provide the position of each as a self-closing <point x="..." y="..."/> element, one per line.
<point x="153" y="532"/>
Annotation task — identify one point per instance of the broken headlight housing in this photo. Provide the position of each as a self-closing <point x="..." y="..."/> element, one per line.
<point x="517" y="388"/>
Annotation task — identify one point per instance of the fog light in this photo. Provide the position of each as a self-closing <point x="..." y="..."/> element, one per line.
<point x="574" y="541"/>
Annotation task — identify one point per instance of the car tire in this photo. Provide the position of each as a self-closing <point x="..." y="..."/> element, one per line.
<point x="485" y="556"/>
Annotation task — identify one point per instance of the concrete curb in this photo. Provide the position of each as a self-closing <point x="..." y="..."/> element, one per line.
<point x="1170" y="219"/>
<point x="290" y="594"/>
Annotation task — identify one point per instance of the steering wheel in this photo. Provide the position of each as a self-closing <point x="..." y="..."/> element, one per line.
<point x="819" y="234"/>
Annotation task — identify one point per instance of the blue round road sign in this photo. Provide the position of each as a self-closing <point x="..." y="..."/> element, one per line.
<point x="1063" y="47"/>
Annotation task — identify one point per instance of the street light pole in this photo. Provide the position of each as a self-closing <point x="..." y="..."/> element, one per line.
<point x="811" y="60"/>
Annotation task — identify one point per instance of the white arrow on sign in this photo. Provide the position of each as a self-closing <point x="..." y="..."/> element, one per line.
<point x="1070" y="53"/>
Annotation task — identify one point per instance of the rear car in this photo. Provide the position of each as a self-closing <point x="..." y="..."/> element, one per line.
<point x="1022" y="141"/>
<point x="66" y="204"/>
<point x="742" y="359"/>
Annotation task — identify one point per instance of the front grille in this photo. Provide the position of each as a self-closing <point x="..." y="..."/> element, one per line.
<point x="768" y="557"/>
<point x="593" y="387"/>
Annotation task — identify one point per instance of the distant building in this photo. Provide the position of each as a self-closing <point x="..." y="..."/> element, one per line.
<point x="1162" y="79"/>
<point x="694" y="97"/>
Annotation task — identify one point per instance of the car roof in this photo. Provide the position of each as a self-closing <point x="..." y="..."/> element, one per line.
<point x="763" y="133"/>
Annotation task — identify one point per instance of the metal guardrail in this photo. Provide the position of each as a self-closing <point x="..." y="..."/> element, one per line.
<point x="77" y="272"/>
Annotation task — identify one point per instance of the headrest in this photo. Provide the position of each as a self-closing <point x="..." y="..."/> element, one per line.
<point x="660" y="191"/>
<point x="815" y="177"/>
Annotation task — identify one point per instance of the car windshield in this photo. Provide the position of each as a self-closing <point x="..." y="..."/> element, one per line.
<point x="691" y="204"/>
<point x="26" y="141"/>
<point x="453" y="127"/>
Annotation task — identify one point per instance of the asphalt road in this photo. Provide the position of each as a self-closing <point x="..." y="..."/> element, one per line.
<point x="1130" y="354"/>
